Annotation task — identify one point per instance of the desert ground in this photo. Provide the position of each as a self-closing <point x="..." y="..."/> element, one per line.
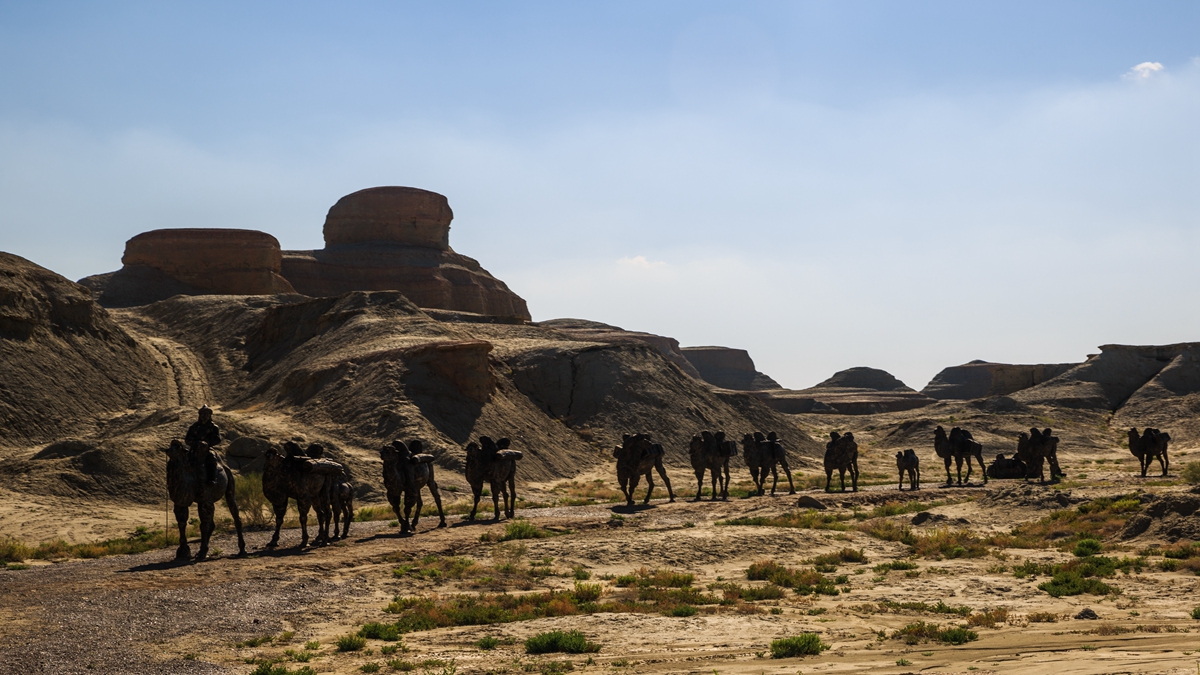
<point x="147" y="614"/>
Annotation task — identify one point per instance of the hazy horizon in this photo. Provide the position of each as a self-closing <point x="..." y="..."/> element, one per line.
<point x="826" y="185"/>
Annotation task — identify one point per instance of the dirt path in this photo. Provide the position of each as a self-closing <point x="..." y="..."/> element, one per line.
<point x="144" y="614"/>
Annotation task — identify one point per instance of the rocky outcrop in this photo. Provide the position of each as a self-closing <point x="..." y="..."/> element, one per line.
<point x="398" y="239"/>
<point x="980" y="379"/>
<point x="594" y="331"/>
<point x="162" y="263"/>
<point x="856" y="391"/>
<point x="1121" y="374"/>
<point x="65" y="365"/>
<point x="728" y="368"/>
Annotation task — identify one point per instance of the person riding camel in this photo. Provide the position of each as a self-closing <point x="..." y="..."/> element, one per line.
<point x="201" y="437"/>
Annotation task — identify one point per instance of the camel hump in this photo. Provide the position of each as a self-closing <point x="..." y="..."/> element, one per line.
<point x="657" y="450"/>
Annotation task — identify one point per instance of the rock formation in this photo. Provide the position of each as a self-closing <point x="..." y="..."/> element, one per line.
<point x="728" y="368"/>
<point x="1121" y="375"/>
<point x="65" y="365"/>
<point x="163" y="263"/>
<point x="398" y="238"/>
<point x="594" y="331"/>
<point x="856" y="391"/>
<point x="980" y="379"/>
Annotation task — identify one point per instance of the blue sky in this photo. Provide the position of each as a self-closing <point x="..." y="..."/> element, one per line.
<point x="827" y="184"/>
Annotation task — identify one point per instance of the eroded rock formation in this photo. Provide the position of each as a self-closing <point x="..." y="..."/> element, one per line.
<point x="398" y="239"/>
<point x="855" y="391"/>
<point x="594" y="331"/>
<point x="980" y="379"/>
<point x="728" y="368"/>
<point x="192" y="261"/>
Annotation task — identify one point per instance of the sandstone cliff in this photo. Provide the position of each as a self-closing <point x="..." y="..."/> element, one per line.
<point x="855" y="391"/>
<point x="980" y="379"/>
<point x="594" y="331"/>
<point x="163" y="263"/>
<point x="397" y="238"/>
<point x="728" y="368"/>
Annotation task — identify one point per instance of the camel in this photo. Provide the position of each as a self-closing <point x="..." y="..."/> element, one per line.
<point x="908" y="462"/>
<point x="1012" y="467"/>
<point x="710" y="452"/>
<point x="1150" y="445"/>
<point x="405" y="471"/>
<point x="637" y="456"/>
<point x="841" y="453"/>
<point x="341" y="495"/>
<point x="492" y="461"/>
<point x="1035" y="449"/>
<point x="294" y="476"/>
<point x="763" y="454"/>
<point x="957" y="446"/>
<point x="187" y="483"/>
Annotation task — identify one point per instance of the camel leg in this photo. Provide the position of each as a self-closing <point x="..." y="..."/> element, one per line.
<point x="900" y="486"/>
<point x="787" y="470"/>
<point x="662" y="471"/>
<point x="958" y="468"/>
<point x="829" y="478"/>
<point x="699" y="484"/>
<point x="949" y="480"/>
<point x="510" y="509"/>
<point x="280" y="512"/>
<point x="478" y="494"/>
<point x="302" y="507"/>
<point x="774" y="479"/>
<point x="205" y="512"/>
<point x="231" y="502"/>
<point x="181" y="519"/>
<point x="649" y="487"/>
<point x="497" y="488"/>
<point x="854" y="475"/>
<point x="419" y="506"/>
<point x="634" y="479"/>
<point x="725" y="487"/>
<point x="716" y="482"/>
<point x="842" y="477"/>
<point x="983" y="467"/>
<point x="437" y="500"/>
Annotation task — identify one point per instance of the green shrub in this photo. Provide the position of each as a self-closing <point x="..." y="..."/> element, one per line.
<point x="487" y="643"/>
<point x="957" y="636"/>
<point x="1191" y="473"/>
<point x="587" y="592"/>
<point x="253" y="506"/>
<point x="369" y="667"/>
<point x="351" y="643"/>
<point x="1072" y="582"/>
<point x="379" y="631"/>
<point x="1087" y="547"/>
<point x="268" y="668"/>
<point x="684" y="610"/>
<point x="1196" y="613"/>
<point x="571" y="642"/>
<point x="522" y="529"/>
<point x="799" y="645"/>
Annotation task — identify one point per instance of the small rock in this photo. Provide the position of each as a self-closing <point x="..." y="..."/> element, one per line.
<point x="927" y="517"/>
<point x="807" y="502"/>
<point x="1086" y="613"/>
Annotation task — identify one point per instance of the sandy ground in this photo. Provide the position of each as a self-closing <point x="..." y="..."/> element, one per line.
<point x="145" y="614"/>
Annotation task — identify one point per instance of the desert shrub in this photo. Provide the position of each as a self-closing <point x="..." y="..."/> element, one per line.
<point x="1191" y="473"/>
<point x="13" y="551"/>
<point x="369" y="668"/>
<point x="570" y="642"/>
<point x="957" y="636"/>
<point x="580" y="573"/>
<point x="253" y="506"/>
<point x="886" y="567"/>
<point x="351" y="643"/>
<point x="1042" y="617"/>
<point x="402" y="665"/>
<point x="940" y="608"/>
<point x="921" y="631"/>
<point x="487" y="643"/>
<point x="268" y="668"/>
<point x="1183" y="551"/>
<point x="519" y="529"/>
<point x="645" y="578"/>
<point x="683" y="610"/>
<point x="897" y="509"/>
<point x="846" y="555"/>
<point x="888" y="531"/>
<point x="1087" y="547"/>
<point x="587" y="592"/>
<point x="255" y="642"/>
<point x="437" y="567"/>
<point x="804" y="582"/>
<point x="947" y="543"/>
<point x="379" y="631"/>
<point x="1097" y="519"/>
<point x="804" y="644"/>
<point x="1196" y="613"/>
<point x="988" y="618"/>
<point x="1071" y="582"/>
<point x="734" y="592"/>
<point x="369" y="513"/>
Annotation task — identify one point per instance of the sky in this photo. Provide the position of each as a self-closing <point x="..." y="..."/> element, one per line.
<point x="905" y="186"/>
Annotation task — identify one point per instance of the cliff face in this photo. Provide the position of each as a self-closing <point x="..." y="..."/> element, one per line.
<point x="728" y="368"/>
<point x="65" y="365"/>
<point x="980" y="379"/>
<point x="855" y="391"/>
<point x="594" y="331"/>
<point x="1122" y="374"/>
<point x="398" y="239"/>
<point x="162" y="263"/>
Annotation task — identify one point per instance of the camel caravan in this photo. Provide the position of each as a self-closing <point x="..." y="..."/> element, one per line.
<point x="195" y="474"/>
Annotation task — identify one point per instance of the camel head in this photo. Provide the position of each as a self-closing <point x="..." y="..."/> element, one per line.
<point x="720" y="437"/>
<point x="706" y="435"/>
<point x="939" y="433"/>
<point x="315" y="451"/>
<point x="293" y="449"/>
<point x="748" y="440"/>
<point x="487" y="444"/>
<point x="696" y="445"/>
<point x="472" y="448"/>
<point x="503" y="443"/>
<point x="899" y="456"/>
<point x="772" y="436"/>
<point x="758" y="436"/>
<point x="176" y="450"/>
<point x="834" y="436"/>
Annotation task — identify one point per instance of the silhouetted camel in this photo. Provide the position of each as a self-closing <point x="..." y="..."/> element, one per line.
<point x="710" y="452"/>
<point x="1035" y="450"/>
<point x="294" y="476"/>
<point x="492" y="461"/>
<point x="959" y="445"/>
<point x="1150" y="445"/>
<point x="187" y="483"/>
<point x="841" y="453"/>
<point x="908" y="462"/>
<point x="637" y="456"/>
<point x="405" y="471"/>
<point x="341" y="495"/>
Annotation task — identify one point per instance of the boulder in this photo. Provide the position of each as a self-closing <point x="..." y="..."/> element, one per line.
<point x="398" y="239"/>
<point x="728" y="368"/>
<point x="192" y="261"/>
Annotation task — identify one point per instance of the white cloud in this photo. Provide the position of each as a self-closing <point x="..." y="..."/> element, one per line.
<point x="1144" y="71"/>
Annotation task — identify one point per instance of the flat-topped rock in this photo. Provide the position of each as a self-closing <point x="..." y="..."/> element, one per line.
<point x="980" y="379"/>
<point x="395" y="215"/>
<point x="728" y="368"/>
<point x="594" y="331"/>
<point x="192" y="261"/>
<point x="855" y="391"/>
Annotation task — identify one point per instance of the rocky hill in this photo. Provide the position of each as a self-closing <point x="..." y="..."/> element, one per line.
<point x="728" y="368"/>
<point x="980" y="379"/>
<point x="855" y="391"/>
